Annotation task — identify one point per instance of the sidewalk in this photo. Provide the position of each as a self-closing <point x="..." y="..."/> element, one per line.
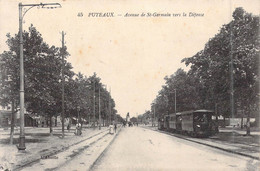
<point x="253" y="131"/>
<point x="39" y="143"/>
<point x="230" y="140"/>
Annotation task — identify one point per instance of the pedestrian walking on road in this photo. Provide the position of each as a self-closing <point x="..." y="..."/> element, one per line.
<point x="111" y="130"/>
<point x="68" y="127"/>
<point x="78" y="129"/>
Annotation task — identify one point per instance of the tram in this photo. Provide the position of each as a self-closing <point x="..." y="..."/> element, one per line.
<point x="196" y="123"/>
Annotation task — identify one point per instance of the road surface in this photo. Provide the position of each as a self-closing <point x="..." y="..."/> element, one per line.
<point x="137" y="148"/>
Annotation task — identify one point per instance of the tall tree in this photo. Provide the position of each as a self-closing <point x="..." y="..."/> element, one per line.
<point x="42" y="74"/>
<point x="237" y="40"/>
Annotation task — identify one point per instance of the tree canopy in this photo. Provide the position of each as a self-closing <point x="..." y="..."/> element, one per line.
<point x="43" y="77"/>
<point x="207" y="84"/>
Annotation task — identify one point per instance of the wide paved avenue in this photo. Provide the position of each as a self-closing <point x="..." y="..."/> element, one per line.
<point x="137" y="148"/>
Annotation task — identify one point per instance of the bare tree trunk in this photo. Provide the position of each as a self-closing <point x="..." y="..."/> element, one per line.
<point x="89" y="121"/>
<point x="56" y="118"/>
<point x="106" y="120"/>
<point x="12" y="123"/>
<point x="216" y="112"/>
<point x="248" y="124"/>
<point x="242" y="122"/>
<point x="81" y="121"/>
<point x="51" y="130"/>
<point x="224" y="125"/>
<point x="47" y="123"/>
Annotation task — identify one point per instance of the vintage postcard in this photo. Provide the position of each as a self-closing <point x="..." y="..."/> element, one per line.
<point x="129" y="85"/>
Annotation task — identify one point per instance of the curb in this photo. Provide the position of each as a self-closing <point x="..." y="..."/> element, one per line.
<point x="216" y="147"/>
<point x="54" y="152"/>
<point x="104" y="151"/>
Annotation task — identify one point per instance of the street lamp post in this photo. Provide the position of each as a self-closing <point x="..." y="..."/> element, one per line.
<point x="21" y="145"/>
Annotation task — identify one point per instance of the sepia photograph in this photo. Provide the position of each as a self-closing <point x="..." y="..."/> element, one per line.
<point x="129" y="85"/>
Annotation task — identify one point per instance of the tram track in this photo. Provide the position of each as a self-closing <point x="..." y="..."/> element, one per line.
<point x="52" y="155"/>
<point x="77" y="152"/>
<point x="104" y="151"/>
<point x="205" y="144"/>
<point x="89" y="156"/>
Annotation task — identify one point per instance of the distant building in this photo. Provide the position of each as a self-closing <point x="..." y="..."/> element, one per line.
<point x="5" y="118"/>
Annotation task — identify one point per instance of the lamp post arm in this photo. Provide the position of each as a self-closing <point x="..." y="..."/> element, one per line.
<point x="27" y="11"/>
<point x="42" y="4"/>
<point x="38" y="5"/>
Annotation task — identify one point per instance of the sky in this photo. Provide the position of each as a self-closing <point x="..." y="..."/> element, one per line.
<point x="131" y="55"/>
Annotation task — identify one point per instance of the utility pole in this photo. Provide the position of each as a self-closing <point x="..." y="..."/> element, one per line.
<point x="231" y="71"/>
<point x="109" y="105"/>
<point x="175" y="100"/>
<point x="78" y="107"/>
<point x="62" y="75"/>
<point x="99" y="112"/>
<point x="12" y="122"/>
<point x="231" y="82"/>
<point x="154" y="115"/>
<point x="107" y="108"/>
<point x="94" y="105"/>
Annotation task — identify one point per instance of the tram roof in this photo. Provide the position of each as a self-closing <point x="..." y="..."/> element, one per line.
<point x="192" y="111"/>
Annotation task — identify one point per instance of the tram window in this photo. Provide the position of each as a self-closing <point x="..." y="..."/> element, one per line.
<point x="196" y="118"/>
<point x="205" y="118"/>
<point x="201" y="118"/>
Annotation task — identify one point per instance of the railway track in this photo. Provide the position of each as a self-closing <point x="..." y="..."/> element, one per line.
<point x="206" y="143"/>
<point x="63" y="155"/>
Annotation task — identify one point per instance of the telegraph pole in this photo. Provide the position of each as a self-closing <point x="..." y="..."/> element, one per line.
<point x="109" y="105"/>
<point x="99" y="111"/>
<point x="231" y="81"/>
<point x="154" y="115"/>
<point x="175" y="100"/>
<point x="62" y="75"/>
<point x="94" y="106"/>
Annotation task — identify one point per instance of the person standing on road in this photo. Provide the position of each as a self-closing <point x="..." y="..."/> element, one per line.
<point x="68" y="127"/>
<point x="115" y="127"/>
<point x="78" y="129"/>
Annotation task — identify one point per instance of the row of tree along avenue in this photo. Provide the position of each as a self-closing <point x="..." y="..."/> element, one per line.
<point x="222" y="77"/>
<point x="85" y="97"/>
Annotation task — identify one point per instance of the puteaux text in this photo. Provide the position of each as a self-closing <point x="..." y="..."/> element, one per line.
<point x="100" y="14"/>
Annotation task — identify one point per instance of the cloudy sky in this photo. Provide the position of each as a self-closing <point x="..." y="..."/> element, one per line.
<point x="132" y="55"/>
